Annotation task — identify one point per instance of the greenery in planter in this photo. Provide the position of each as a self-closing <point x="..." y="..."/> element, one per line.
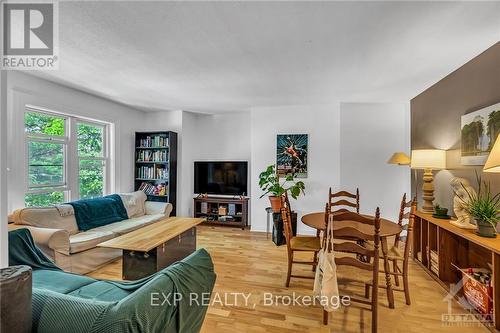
<point x="270" y="183"/>
<point x="483" y="206"/>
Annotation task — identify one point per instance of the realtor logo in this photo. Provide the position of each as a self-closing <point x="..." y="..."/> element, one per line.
<point x="30" y="35"/>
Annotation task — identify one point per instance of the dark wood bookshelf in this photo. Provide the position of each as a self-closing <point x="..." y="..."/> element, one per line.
<point x="156" y="165"/>
<point x="236" y="211"/>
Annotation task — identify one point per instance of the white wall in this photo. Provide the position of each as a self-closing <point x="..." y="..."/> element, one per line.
<point x="24" y="89"/>
<point x="210" y="137"/>
<point x="4" y="260"/>
<point x="369" y="135"/>
<point x="322" y="125"/>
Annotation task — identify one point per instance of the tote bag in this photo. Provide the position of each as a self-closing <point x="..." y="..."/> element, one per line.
<point x="325" y="281"/>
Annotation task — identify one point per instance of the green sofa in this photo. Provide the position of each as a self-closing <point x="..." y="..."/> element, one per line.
<point x="168" y="301"/>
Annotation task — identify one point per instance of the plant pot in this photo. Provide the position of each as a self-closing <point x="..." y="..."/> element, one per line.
<point x="441" y="211"/>
<point x="485" y="229"/>
<point x="275" y="203"/>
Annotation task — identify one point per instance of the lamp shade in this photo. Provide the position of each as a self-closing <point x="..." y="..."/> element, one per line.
<point x="399" y="158"/>
<point x="428" y="159"/>
<point x="493" y="161"/>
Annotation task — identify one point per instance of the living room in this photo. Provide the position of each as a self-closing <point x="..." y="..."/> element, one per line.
<point x="349" y="96"/>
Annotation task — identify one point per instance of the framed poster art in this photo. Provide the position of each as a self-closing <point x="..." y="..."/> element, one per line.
<point x="479" y="130"/>
<point x="291" y="154"/>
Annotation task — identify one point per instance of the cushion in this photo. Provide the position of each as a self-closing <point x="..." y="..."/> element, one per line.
<point x="59" y="281"/>
<point x="134" y="203"/>
<point x="88" y="240"/>
<point x="101" y="291"/>
<point x="46" y="217"/>
<point x="123" y="227"/>
<point x="305" y="243"/>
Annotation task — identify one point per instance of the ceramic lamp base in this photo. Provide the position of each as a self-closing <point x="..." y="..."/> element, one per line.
<point x="428" y="192"/>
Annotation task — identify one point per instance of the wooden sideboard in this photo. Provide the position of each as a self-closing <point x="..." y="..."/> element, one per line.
<point x="455" y="247"/>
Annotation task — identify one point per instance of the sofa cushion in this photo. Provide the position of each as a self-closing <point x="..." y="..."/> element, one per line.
<point x="59" y="281"/>
<point x="46" y="217"/>
<point x="102" y="291"/>
<point x="123" y="227"/>
<point x="134" y="203"/>
<point x="88" y="239"/>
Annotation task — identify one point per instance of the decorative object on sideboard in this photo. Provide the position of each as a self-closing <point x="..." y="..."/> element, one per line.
<point x="428" y="160"/>
<point x="479" y="131"/>
<point x="441" y="213"/>
<point x="270" y="183"/>
<point x="461" y="187"/>
<point x="484" y="207"/>
<point x="291" y="155"/>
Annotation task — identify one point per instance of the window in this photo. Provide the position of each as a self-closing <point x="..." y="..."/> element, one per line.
<point x="91" y="159"/>
<point x="46" y="156"/>
<point x="60" y="168"/>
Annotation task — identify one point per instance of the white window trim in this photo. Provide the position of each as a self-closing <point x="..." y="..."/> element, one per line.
<point x="71" y="159"/>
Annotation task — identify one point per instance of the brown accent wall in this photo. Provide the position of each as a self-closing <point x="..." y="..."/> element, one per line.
<point x="436" y="113"/>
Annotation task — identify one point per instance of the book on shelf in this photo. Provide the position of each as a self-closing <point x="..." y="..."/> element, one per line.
<point x="160" y="189"/>
<point x="147" y="172"/>
<point x="152" y="156"/>
<point x="153" y="141"/>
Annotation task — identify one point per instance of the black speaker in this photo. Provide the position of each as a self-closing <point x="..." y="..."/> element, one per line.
<point x="278" y="233"/>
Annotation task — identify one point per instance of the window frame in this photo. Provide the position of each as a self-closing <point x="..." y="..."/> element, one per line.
<point x="71" y="159"/>
<point x="105" y="158"/>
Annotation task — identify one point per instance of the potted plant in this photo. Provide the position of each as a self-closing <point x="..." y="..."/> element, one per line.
<point x="484" y="208"/>
<point x="440" y="211"/>
<point x="269" y="182"/>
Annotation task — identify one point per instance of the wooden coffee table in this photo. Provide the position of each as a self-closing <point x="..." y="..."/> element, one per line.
<point x="156" y="246"/>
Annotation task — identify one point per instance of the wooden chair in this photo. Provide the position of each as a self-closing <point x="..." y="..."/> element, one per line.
<point x="350" y="268"/>
<point x="344" y="200"/>
<point x="400" y="257"/>
<point x="395" y="255"/>
<point x="297" y="243"/>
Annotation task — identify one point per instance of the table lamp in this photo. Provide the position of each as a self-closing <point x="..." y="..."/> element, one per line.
<point x="399" y="158"/>
<point x="493" y="161"/>
<point x="428" y="160"/>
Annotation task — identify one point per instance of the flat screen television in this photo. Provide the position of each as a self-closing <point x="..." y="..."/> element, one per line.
<point x="223" y="178"/>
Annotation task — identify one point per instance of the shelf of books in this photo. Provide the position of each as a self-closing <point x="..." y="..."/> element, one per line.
<point x="156" y="165"/>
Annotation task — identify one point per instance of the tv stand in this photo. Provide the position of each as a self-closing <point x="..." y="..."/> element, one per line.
<point x="222" y="211"/>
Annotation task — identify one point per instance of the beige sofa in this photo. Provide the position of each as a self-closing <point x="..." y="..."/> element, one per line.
<point x="55" y="231"/>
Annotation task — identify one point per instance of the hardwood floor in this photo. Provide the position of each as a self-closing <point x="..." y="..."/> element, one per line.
<point x="247" y="262"/>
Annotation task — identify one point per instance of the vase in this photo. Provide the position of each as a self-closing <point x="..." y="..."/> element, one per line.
<point x="275" y="203"/>
<point x="485" y="229"/>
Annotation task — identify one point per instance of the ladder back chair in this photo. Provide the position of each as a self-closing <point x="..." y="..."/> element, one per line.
<point x="400" y="257"/>
<point x="350" y="268"/>
<point x="297" y="243"/>
<point x="344" y="200"/>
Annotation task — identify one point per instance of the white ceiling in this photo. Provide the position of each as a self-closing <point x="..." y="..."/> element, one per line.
<point x="229" y="56"/>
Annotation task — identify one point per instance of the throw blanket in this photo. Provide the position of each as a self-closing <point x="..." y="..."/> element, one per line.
<point x="23" y="251"/>
<point x="93" y="213"/>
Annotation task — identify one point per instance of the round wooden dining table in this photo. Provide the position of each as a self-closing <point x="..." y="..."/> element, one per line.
<point x="387" y="229"/>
